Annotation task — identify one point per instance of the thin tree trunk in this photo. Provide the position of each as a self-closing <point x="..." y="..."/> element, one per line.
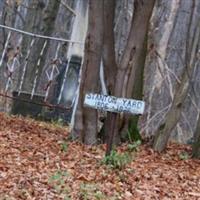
<point x="172" y="117"/>
<point x="110" y="66"/>
<point x="196" y="145"/>
<point x="109" y="62"/>
<point x="85" y="127"/>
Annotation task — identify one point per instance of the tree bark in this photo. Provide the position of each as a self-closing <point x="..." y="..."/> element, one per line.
<point x="172" y="117"/>
<point x="110" y="66"/>
<point x="123" y="18"/>
<point x="85" y="127"/>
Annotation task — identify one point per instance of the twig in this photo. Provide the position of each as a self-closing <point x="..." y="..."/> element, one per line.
<point x="68" y="7"/>
<point x="40" y="36"/>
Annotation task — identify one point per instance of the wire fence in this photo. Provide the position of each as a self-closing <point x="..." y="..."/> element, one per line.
<point x="54" y="87"/>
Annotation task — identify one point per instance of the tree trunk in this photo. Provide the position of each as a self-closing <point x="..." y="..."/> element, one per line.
<point x="133" y="50"/>
<point x="123" y="18"/>
<point x="172" y="117"/>
<point x="3" y="14"/>
<point x="196" y="145"/>
<point x="85" y="127"/>
<point x="134" y="84"/>
<point x="109" y="63"/>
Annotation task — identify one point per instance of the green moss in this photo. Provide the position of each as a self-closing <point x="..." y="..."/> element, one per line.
<point x="196" y="150"/>
<point x="133" y="131"/>
<point x="161" y="127"/>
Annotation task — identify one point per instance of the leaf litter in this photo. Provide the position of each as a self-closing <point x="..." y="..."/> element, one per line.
<point x="38" y="163"/>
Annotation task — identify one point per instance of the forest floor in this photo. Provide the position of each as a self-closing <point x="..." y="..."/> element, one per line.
<point x="37" y="162"/>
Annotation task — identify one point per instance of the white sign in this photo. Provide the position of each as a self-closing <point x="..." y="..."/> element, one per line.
<point x="114" y="104"/>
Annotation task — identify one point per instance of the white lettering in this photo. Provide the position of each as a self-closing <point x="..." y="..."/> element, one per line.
<point x="114" y="104"/>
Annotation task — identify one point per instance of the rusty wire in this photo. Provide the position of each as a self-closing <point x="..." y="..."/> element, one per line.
<point x="45" y="104"/>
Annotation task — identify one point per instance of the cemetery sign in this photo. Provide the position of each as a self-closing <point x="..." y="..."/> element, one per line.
<point x="114" y="104"/>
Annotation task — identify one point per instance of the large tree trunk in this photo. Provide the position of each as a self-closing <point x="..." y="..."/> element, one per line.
<point x="130" y="58"/>
<point x="172" y="117"/>
<point x="85" y="127"/>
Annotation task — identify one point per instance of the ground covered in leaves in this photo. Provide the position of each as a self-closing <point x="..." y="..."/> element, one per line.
<point x="37" y="162"/>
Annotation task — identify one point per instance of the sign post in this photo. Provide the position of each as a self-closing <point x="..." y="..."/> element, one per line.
<point x="115" y="105"/>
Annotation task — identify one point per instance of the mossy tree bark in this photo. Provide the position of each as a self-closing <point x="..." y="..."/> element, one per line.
<point x="134" y="90"/>
<point x="196" y="145"/>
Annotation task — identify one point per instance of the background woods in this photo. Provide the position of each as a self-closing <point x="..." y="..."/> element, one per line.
<point x="142" y="49"/>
